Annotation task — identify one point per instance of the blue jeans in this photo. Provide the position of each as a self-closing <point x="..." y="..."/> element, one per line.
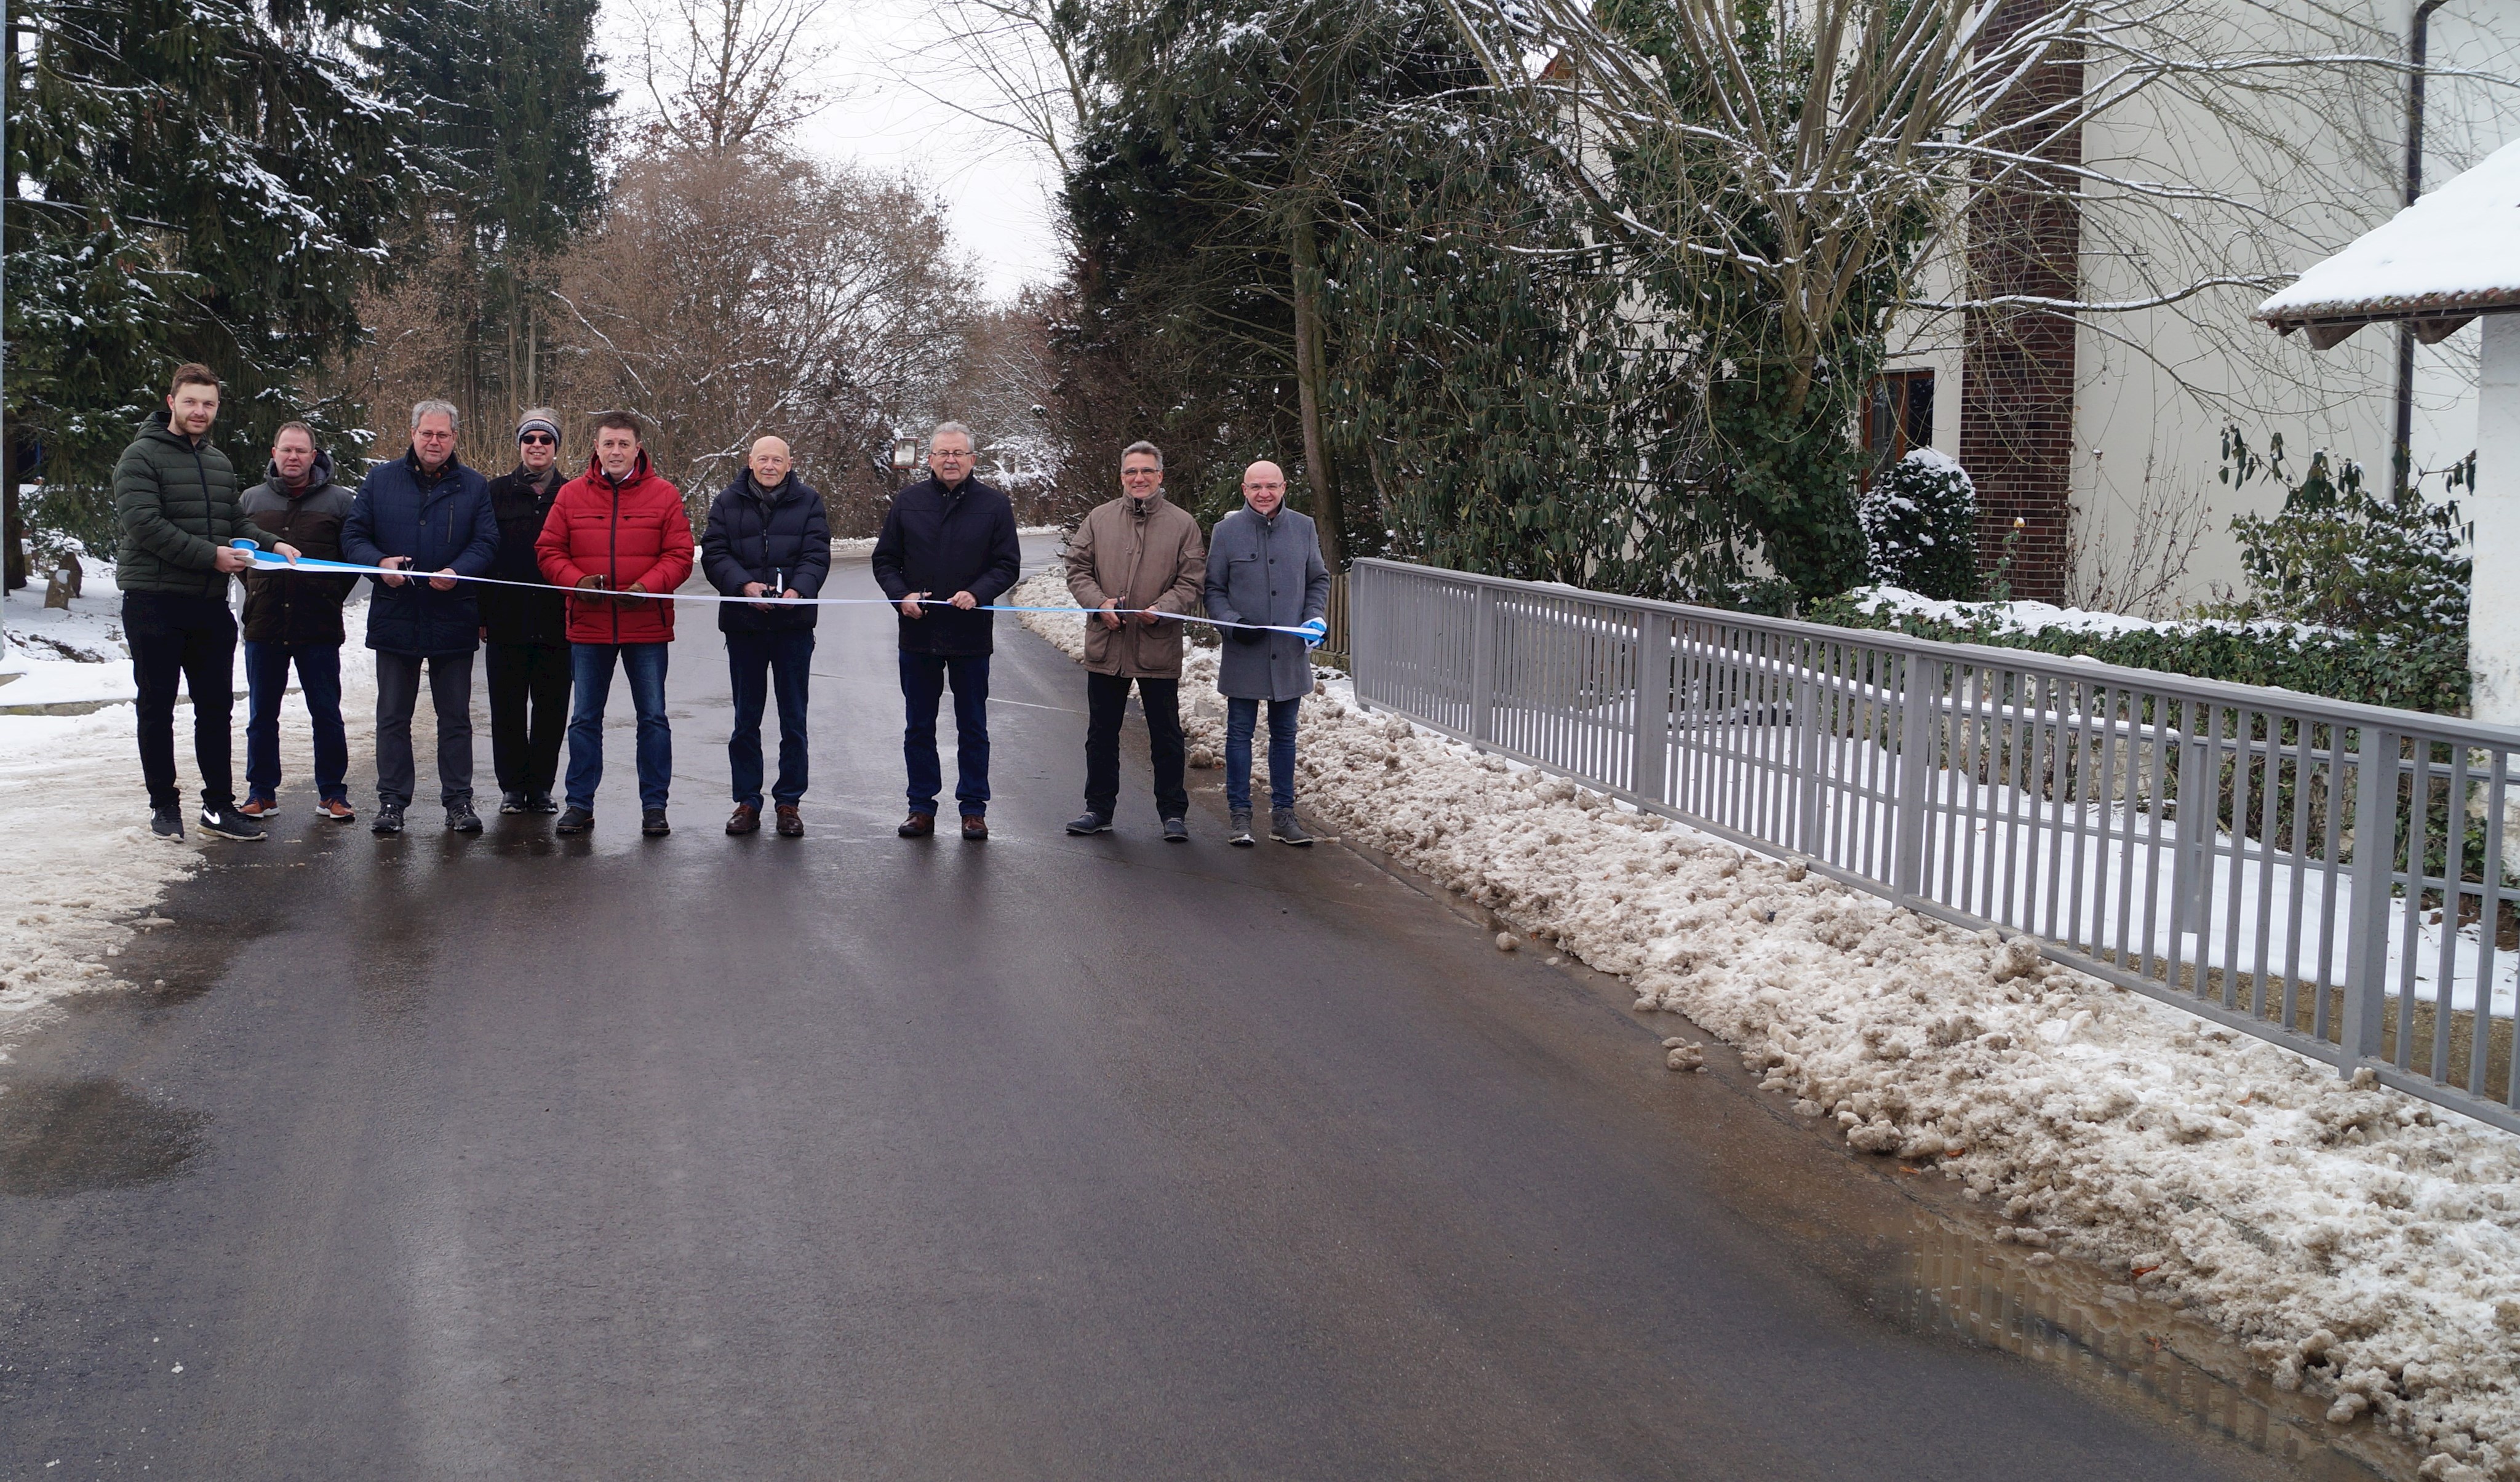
<point x="1242" y="718"/>
<point x="923" y="684"/>
<point x="757" y="664"/>
<point x="266" y="681"/>
<point x="590" y="667"/>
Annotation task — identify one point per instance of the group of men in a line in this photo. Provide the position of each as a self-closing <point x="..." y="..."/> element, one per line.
<point x="578" y="568"/>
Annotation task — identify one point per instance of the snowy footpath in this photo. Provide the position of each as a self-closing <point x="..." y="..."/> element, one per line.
<point x="81" y="872"/>
<point x="2362" y="1246"/>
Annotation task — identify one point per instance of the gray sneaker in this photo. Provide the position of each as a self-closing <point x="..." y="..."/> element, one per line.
<point x="1176" y="831"/>
<point x="1238" y="832"/>
<point x="1284" y="830"/>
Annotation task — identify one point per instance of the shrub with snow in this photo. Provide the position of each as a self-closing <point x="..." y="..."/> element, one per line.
<point x="1919" y="518"/>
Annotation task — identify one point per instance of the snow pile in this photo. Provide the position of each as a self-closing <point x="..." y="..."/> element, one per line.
<point x="2364" y="1248"/>
<point x="2036" y="617"/>
<point x="82" y="863"/>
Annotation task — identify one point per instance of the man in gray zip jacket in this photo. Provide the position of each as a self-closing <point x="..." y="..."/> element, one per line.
<point x="1264" y="566"/>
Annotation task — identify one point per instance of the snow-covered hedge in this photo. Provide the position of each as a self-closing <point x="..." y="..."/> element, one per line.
<point x="1920" y="520"/>
<point x="2418" y="669"/>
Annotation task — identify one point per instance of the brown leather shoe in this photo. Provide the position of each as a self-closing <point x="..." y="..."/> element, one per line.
<point x="747" y="819"/>
<point x="255" y="807"/>
<point x="976" y="827"/>
<point x="791" y="823"/>
<point x="339" y="811"/>
<point x="918" y="826"/>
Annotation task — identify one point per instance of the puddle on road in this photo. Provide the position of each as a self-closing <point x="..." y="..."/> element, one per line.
<point x="2133" y="1349"/>
<point x="67" y="1136"/>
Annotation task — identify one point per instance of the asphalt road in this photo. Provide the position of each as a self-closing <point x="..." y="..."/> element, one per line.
<point x="847" y="1156"/>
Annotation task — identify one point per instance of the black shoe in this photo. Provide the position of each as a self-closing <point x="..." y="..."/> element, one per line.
<point x="1239" y="832"/>
<point x="166" y="823"/>
<point x="388" y="820"/>
<point x="1089" y="822"/>
<point x="1176" y="831"/>
<point x="651" y="823"/>
<point x="227" y="823"/>
<point x="538" y="801"/>
<point x="1284" y="830"/>
<point x="511" y="802"/>
<point x="460" y="818"/>
<point x="574" y="820"/>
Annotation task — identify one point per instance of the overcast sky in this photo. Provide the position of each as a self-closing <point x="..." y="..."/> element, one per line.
<point x="995" y="193"/>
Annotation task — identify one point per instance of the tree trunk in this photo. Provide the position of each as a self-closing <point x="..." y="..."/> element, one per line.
<point x="1326" y="512"/>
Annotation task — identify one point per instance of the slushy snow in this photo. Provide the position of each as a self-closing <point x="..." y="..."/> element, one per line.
<point x="81" y="866"/>
<point x="2363" y="1247"/>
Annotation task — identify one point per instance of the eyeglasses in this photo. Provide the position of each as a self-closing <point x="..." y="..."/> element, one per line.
<point x="541" y="437"/>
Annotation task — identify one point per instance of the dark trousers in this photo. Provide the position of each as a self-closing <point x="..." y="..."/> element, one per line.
<point x="528" y="713"/>
<point x="266" y="685"/>
<point x="1107" y="702"/>
<point x="924" y="677"/>
<point x="192" y="639"/>
<point x="756" y="664"/>
<point x="1242" y="718"/>
<point x="450" y="696"/>
<point x="591" y="666"/>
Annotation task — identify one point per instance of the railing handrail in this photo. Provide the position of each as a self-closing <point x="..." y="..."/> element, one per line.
<point x="2457" y="730"/>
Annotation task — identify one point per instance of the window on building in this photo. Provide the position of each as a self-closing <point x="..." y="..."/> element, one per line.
<point x="1900" y="417"/>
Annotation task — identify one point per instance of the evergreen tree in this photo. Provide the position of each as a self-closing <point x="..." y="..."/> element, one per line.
<point x="510" y="112"/>
<point x="188" y="180"/>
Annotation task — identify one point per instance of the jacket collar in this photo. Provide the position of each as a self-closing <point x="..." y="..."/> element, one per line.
<point x="411" y="460"/>
<point x="776" y="495"/>
<point x="594" y="474"/>
<point x="529" y="477"/>
<point x="1144" y="509"/>
<point x="161" y="424"/>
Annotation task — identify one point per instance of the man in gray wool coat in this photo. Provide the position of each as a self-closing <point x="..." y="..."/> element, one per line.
<point x="1264" y="566"/>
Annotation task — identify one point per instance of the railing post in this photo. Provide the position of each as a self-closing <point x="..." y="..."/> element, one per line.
<point x="1810" y="702"/>
<point x="1919" y="759"/>
<point x="2191" y="873"/>
<point x="1360" y="644"/>
<point x="1483" y="626"/>
<point x="1650" y="771"/>
<point x="2366" y="931"/>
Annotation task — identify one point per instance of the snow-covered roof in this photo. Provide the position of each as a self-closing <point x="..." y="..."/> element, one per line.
<point x="2450" y="257"/>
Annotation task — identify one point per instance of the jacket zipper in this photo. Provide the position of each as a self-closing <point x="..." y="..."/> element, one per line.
<point x="613" y="554"/>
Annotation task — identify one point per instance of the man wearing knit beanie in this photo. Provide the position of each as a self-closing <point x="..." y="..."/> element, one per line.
<point x="527" y="632"/>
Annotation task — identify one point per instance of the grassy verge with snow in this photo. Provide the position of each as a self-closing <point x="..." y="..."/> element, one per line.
<point x="2364" y="1248"/>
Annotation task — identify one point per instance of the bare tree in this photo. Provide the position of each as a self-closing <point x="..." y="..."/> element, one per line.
<point x="728" y="296"/>
<point x="1016" y="66"/>
<point x="727" y="74"/>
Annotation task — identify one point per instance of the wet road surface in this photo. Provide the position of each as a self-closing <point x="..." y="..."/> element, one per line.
<point x="848" y="1157"/>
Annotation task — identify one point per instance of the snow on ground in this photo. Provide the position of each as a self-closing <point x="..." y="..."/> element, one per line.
<point x="80" y="865"/>
<point x="2363" y="1247"/>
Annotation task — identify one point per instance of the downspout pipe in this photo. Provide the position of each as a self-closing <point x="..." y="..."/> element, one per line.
<point x="2404" y="445"/>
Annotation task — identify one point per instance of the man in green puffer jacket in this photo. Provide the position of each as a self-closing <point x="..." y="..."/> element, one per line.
<point x="176" y="495"/>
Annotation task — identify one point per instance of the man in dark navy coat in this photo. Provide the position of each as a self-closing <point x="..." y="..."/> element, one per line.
<point x="948" y="548"/>
<point x="426" y="513"/>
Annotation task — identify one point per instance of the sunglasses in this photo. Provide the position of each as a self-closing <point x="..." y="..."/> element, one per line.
<point x="541" y="437"/>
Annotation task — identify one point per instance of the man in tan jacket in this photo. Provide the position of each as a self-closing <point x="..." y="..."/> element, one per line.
<point x="1134" y="561"/>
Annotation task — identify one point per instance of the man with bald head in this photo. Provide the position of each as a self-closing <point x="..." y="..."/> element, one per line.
<point x="1265" y="571"/>
<point x="768" y="536"/>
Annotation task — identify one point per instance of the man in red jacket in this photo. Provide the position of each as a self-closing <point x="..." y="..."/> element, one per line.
<point x="614" y="532"/>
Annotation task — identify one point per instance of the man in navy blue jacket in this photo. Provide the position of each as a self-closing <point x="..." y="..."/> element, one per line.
<point x="948" y="546"/>
<point x="424" y="513"/>
<point x="768" y="536"/>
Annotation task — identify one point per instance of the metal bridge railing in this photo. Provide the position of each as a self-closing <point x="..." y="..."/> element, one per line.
<point x="2328" y="877"/>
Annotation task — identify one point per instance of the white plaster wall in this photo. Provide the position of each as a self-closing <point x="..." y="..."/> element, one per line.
<point x="2492" y="620"/>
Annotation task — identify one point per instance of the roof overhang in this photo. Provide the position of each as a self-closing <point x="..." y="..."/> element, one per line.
<point x="2445" y="260"/>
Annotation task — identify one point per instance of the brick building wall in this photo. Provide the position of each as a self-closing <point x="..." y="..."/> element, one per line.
<point x="2017" y="364"/>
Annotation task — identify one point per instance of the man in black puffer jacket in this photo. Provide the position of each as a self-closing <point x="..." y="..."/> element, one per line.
<point x="525" y="632"/>
<point x="768" y="536"/>
<point x="175" y="497"/>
